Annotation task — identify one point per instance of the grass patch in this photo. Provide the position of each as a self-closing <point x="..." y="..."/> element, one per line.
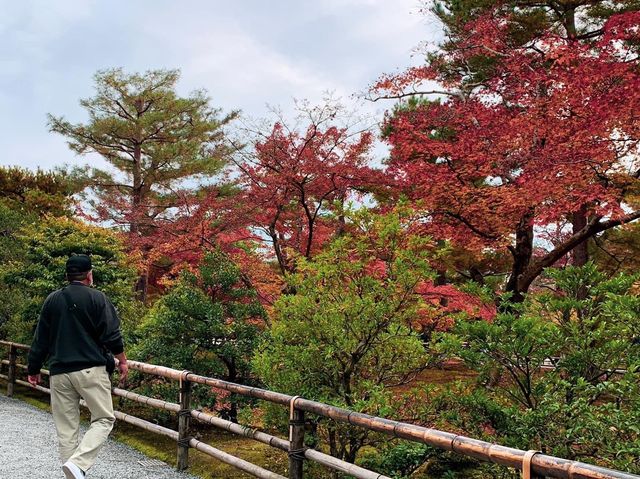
<point x="201" y="465"/>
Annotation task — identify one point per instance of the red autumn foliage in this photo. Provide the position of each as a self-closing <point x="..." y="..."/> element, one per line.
<point x="200" y="221"/>
<point x="451" y="301"/>
<point x="296" y="183"/>
<point x="553" y="133"/>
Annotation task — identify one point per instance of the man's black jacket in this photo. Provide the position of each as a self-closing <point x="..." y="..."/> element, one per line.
<point x="61" y="337"/>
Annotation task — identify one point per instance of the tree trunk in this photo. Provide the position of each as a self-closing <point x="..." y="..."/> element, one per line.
<point x="137" y="200"/>
<point x="137" y="204"/>
<point x="522" y="253"/>
<point x="536" y="266"/>
<point x="141" y="286"/>
<point x="352" y="453"/>
<point x="476" y="275"/>
<point x="232" y="377"/>
<point x="136" y="191"/>
<point x="342" y="223"/>
<point x="570" y="22"/>
<point x="578" y="223"/>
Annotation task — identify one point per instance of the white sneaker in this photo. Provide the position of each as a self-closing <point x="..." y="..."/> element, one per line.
<point x="72" y="471"/>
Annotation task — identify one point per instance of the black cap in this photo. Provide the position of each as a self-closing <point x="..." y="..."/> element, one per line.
<point x="79" y="263"/>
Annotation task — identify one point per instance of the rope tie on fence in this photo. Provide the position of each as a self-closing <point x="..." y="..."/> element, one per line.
<point x="452" y="446"/>
<point x="526" y="464"/>
<point x="297" y="454"/>
<point x="184" y="442"/>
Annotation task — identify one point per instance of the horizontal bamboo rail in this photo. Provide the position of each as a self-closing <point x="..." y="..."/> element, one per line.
<point x="233" y="461"/>
<point x="15" y="345"/>
<point x="24" y="367"/>
<point x="541" y="465"/>
<point x="273" y="441"/>
<point x="158" y="403"/>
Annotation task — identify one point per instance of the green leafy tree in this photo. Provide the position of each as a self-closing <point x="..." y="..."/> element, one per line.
<point x="47" y="246"/>
<point x="564" y="368"/>
<point x="399" y="461"/>
<point x="39" y="193"/>
<point x="25" y="198"/>
<point x="208" y="323"/>
<point x="11" y="299"/>
<point x="155" y="140"/>
<point x="344" y="338"/>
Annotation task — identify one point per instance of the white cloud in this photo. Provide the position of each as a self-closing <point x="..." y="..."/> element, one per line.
<point x="33" y="24"/>
<point x="51" y="18"/>
<point x="253" y="70"/>
<point x="237" y="67"/>
<point x="246" y="54"/>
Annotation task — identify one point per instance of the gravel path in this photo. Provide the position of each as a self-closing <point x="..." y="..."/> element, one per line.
<point x="29" y="450"/>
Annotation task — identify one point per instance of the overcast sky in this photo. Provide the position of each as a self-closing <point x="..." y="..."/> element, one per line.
<point x="245" y="53"/>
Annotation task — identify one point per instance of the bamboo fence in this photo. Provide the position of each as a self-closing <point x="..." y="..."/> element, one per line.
<point x="532" y="464"/>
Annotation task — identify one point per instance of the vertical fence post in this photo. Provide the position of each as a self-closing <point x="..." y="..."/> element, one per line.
<point x="296" y="441"/>
<point x="11" y="375"/>
<point x="184" y="419"/>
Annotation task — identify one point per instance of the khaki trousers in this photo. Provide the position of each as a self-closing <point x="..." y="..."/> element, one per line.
<point x="94" y="386"/>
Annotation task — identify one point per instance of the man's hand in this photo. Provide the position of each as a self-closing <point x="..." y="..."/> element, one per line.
<point x="35" y="380"/>
<point x="123" y="368"/>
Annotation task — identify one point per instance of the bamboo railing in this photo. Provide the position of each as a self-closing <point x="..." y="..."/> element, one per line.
<point x="532" y="464"/>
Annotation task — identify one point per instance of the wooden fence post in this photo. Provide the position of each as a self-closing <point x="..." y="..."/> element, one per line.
<point x="11" y="375"/>
<point x="184" y="419"/>
<point x="296" y="441"/>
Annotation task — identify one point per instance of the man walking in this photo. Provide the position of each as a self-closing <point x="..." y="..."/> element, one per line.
<point x="77" y="325"/>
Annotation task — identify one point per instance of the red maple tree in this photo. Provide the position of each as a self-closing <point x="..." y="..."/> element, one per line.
<point x="206" y="219"/>
<point x="552" y="136"/>
<point x="297" y="180"/>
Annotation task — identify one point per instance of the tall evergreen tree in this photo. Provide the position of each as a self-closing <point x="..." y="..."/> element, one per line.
<point x="156" y="142"/>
